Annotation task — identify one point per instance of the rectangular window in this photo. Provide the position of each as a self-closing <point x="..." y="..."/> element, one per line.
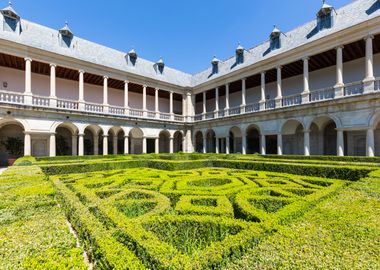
<point x="275" y="43"/>
<point x="325" y="21"/>
<point x="10" y="24"/>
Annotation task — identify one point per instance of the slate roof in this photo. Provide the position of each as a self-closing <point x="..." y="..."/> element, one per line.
<point x="44" y="38"/>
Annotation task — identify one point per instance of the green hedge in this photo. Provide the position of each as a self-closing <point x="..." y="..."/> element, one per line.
<point x="352" y="173"/>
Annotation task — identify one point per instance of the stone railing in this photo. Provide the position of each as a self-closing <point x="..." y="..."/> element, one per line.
<point x="351" y="89"/>
<point x="377" y="84"/>
<point x="322" y="94"/>
<point x="92" y="107"/>
<point x="291" y="100"/>
<point x="67" y="104"/>
<point x="40" y="101"/>
<point x="11" y="97"/>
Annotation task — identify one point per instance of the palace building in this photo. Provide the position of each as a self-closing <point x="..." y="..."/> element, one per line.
<point x="314" y="90"/>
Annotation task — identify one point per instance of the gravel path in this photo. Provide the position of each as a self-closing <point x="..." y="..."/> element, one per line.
<point x="2" y="170"/>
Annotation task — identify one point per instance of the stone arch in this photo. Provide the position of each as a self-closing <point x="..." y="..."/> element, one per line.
<point x="12" y="132"/>
<point x="164" y="141"/>
<point x="253" y="139"/>
<point x="198" y="141"/>
<point x="293" y="137"/>
<point x="323" y="135"/>
<point x="235" y="135"/>
<point x="136" y="136"/>
<point x="210" y="141"/>
<point x="178" y="141"/>
<point x="375" y="124"/>
<point x="93" y="143"/>
<point x="66" y="142"/>
<point x="116" y="140"/>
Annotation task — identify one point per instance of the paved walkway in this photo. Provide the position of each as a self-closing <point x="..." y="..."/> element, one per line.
<point x="2" y="170"/>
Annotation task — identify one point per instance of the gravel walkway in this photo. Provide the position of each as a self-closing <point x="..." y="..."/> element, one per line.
<point x="2" y="170"/>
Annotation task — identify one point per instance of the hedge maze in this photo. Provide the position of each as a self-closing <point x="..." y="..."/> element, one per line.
<point x="200" y="218"/>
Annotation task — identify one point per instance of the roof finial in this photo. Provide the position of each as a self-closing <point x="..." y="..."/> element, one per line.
<point x="10" y="3"/>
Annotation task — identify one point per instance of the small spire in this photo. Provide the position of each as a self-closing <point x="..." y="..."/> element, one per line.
<point x="10" y="12"/>
<point x="160" y="62"/>
<point x="325" y="9"/>
<point x="215" y="61"/>
<point x="239" y="49"/>
<point x="66" y="31"/>
<point x="132" y="53"/>
<point x="275" y="32"/>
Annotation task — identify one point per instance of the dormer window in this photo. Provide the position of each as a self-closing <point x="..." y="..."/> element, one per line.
<point x="11" y="22"/>
<point x="275" y="41"/>
<point x="239" y="54"/>
<point x="132" y="57"/>
<point x="66" y="36"/>
<point x="215" y="65"/>
<point x="324" y="16"/>
<point x="160" y="66"/>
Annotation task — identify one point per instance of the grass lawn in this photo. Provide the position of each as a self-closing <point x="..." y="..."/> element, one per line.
<point x="191" y="212"/>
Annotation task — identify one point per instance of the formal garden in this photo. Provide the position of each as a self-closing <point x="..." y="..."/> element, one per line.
<point x="191" y="211"/>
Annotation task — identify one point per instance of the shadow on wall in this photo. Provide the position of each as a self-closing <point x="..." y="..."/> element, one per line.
<point x="373" y="8"/>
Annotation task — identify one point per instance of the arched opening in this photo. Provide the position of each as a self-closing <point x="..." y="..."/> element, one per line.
<point x="136" y="141"/>
<point x="323" y="136"/>
<point x="66" y="139"/>
<point x="253" y="140"/>
<point x="63" y="141"/>
<point x="377" y="136"/>
<point x="199" y="142"/>
<point x="164" y="142"/>
<point x="235" y="140"/>
<point x="11" y="141"/>
<point x="93" y="140"/>
<point x="210" y="141"/>
<point x="115" y="141"/>
<point x="178" y="142"/>
<point x="293" y="138"/>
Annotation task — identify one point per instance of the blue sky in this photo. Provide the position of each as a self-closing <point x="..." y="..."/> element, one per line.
<point x="185" y="33"/>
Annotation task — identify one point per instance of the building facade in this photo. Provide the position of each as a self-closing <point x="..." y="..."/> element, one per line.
<point x="314" y="90"/>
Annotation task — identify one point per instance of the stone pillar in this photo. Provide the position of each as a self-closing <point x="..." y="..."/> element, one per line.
<point x="204" y="144"/>
<point x="227" y="107"/>
<point x="126" y="97"/>
<point x="28" y="82"/>
<point x="53" y="88"/>
<point x="263" y="145"/>
<point x="184" y="107"/>
<point x="244" y="144"/>
<point x="370" y="143"/>
<point x="96" y="145"/>
<point x="74" y="145"/>
<point x="171" y="105"/>
<point x="243" y="95"/>
<point x="227" y="144"/>
<point x="369" y="80"/>
<point x="80" y="144"/>
<point x="27" y="144"/>
<point x="171" y="145"/>
<point x="217" y="145"/>
<point x="156" y="105"/>
<point x="263" y="97"/>
<point x="216" y="102"/>
<point x="144" y="100"/>
<point x="114" y="144"/>
<point x="144" y="145"/>
<point x="204" y="105"/>
<point x="279" y="144"/>
<point x="52" y="152"/>
<point x="81" y="105"/>
<point x="105" y="94"/>
<point x="340" y="143"/>
<point x="105" y="145"/>
<point x="157" y="145"/>
<point x="306" y="142"/>
<point x="339" y="86"/>
<point x="126" y="145"/>
<point x="190" y="105"/>
<point x="306" y="90"/>
<point x="279" y="88"/>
